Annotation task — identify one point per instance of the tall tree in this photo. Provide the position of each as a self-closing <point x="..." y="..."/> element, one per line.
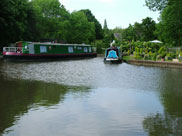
<point x="16" y="16"/>
<point x="129" y="34"/>
<point x="6" y="20"/>
<point x="170" y="26"/>
<point x="105" y="28"/>
<point x="50" y="18"/>
<point x="140" y="31"/>
<point x="81" y="30"/>
<point x="148" y="28"/>
<point x="33" y="20"/>
<point x="108" y="35"/>
<point x="156" y="4"/>
<point x="98" y="27"/>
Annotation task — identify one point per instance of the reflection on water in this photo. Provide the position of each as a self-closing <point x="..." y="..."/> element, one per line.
<point x="88" y="97"/>
<point x="169" y="123"/>
<point x="17" y="97"/>
<point x="163" y="125"/>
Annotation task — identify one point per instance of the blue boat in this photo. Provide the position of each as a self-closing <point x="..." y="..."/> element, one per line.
<point x="113" y="55"/>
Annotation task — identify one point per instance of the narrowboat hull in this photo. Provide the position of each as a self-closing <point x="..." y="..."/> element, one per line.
<point x="11" y="56"/>
<point x="36" y="51"/>
<point x="113" y="61"/>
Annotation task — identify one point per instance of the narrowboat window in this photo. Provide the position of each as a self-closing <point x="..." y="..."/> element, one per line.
<point x="79" y="48"/>
<point x="90" y="49"/>
<point x="70" y="49"/>
<point x="31" y="48"/>
<point x="43" y="49"/>
<point x="85" y="49"/>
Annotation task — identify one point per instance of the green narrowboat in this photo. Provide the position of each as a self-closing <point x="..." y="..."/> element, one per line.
<point x="47" y="51"/>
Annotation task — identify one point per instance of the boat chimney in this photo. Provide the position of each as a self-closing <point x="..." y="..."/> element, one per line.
<point x="112" y="43"/>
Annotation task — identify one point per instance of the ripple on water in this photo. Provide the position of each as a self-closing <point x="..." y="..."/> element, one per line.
<point x="89" y="98"/>
<point x="87" y="72"/>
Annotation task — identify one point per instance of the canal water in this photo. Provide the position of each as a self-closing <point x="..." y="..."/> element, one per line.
<point x="89" y="98"/>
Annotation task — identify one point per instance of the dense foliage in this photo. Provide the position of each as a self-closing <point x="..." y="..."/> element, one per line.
<point x="149" y="51"/>
<point x="81" y="30"/>
<point x="50" y="17"/>
<point x="156" y="4"/>
<point x="41" y="20"/>
<point x="17" y="21"/>
<point x="169" y="29"/>
<point x="98" y="27"/>
<point x="144" y="31"/>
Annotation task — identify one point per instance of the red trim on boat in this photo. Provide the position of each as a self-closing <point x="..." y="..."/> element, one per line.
<point x="23" y="54"/>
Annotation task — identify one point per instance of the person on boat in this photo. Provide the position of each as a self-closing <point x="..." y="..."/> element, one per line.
<point x="18" y="50"/>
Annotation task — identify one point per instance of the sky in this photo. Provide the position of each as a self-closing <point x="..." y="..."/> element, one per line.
<point x="118" y="13"/>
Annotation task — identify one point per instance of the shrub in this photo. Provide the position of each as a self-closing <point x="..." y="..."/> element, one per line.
<point x="135" y="54"/>
<point x="158" y="57"/>
<point x="180" y="56"/>
<point x="154" y="56"/>
<point x="170" y="55"/>
<point x="148" y="50"/>
<point x="146" y="56"/>
<point x="128" y="52"/>
<point x="99" y="45"/>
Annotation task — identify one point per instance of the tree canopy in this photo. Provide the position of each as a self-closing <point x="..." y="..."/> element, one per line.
<point x="17" y="21"/>
<point x="46" y="19"/>
<point x="50" y="15"/>
<point x="169" y="29"/>
<point x="140" y="31"/>
<point x="98" y="27"/>
<point x="81" y="30"/>
<point x="156" y="4"/>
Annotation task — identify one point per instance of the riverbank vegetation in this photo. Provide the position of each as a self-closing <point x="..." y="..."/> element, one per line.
<point x="43" y="20"/>
<point x="150" y="51"/>
<point x="136" y="39"/>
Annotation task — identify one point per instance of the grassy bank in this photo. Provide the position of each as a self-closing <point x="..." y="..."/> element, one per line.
<point x="127" y="58"/>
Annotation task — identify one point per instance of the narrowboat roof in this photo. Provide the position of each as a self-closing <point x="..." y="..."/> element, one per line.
<point x="111" y="48"/>
<point x="57" y="44"/>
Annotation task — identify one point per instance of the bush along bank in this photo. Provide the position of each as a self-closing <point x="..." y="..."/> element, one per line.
<point x="150" y="51"/>
<point x="151" y="54"/>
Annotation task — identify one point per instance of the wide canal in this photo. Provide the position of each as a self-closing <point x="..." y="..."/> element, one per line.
<point x="89" y="98"/>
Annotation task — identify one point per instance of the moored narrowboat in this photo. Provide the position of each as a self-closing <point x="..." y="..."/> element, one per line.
<point x="113" y="55"/>
<point x="47" y="51"/>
